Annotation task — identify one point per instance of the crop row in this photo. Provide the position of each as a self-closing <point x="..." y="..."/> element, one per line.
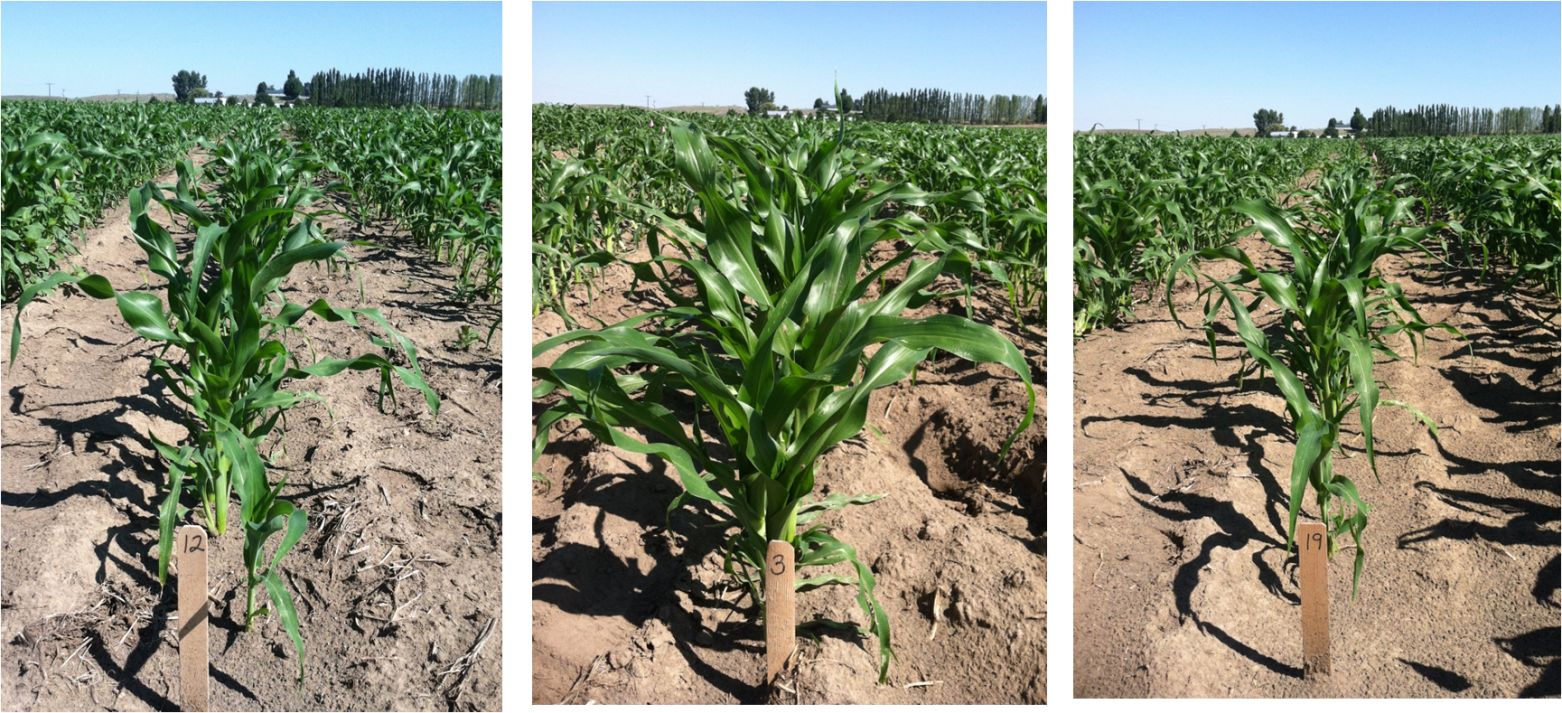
<point x="1504" y="192"/>
<point x="1336" y="311"/>
<point x="65" y="163"/>
<point x="228" y="338"/>
<point x="1150" y="211"/>
<point x="437" y="173"/>
<point x="600" y="176"/>
<point x="1140" y="201"/>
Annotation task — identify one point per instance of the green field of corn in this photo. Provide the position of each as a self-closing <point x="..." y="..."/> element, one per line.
<point x="264" y="268"/>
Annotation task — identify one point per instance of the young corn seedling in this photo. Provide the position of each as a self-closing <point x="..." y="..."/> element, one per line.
<point x="226" y="313"/>
<point x="773" y="344"/>
<point x="1336" y="309"/>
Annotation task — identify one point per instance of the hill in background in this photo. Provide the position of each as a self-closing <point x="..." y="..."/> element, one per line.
<point x="137" y="98"/>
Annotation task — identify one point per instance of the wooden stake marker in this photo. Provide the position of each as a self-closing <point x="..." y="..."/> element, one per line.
<point x="780" y="609"/>
<point x="194" y="691"/>
<point x="1315" y="599"/>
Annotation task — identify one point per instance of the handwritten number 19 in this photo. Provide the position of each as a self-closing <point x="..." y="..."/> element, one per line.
<point x="1315" y="541"/>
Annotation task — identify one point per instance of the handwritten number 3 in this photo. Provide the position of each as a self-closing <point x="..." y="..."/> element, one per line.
<point x="780" y="563"/>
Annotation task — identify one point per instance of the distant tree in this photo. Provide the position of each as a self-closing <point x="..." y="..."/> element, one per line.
<point x="1041" y="109"/>
<point x="818" y="104"/>
<point x="261" y="97"/>
<point x="1357" y="121"/>
<point x="784" y="108"/>
<point x="1274" y="128"/>
<point x="233" y="101"/>
<point x="1305" y="134"/>
<point x="1236" y="134"/>
<point x="293" y="87"/>
<point x="185" y="84"/>
<point x="844" y="102"/>
<point x="218" y="95"/>
<point x="152" y="99"/>
<point x="1265" y="118"/>
<point x="756" y="98"/>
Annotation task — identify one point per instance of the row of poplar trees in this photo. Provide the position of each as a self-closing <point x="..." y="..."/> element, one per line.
<point x="940" y="107"/>
<point x="400" y="87"/>
<point x="1446" y="120"/>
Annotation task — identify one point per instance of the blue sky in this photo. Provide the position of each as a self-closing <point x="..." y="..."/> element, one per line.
<point x="98" y="48"/>
<point x="683" y="54"/>
<point x="1185" y="64"/>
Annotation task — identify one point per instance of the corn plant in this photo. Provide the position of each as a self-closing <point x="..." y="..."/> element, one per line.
<point x="574" y="225"/>
<point x="226" y="313"/>
<point x="1117" y="234"/>
<point x="1336" y="309"/>
<point x="41" y="211"/>
<point x="773" y="346"/>
<point x="1024" y="258"/>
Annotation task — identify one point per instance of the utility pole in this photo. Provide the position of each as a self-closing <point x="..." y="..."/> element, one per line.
<point x="51" y="88"/>
<point x="1139" y="123"/>
<point x="648" y="101"/>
